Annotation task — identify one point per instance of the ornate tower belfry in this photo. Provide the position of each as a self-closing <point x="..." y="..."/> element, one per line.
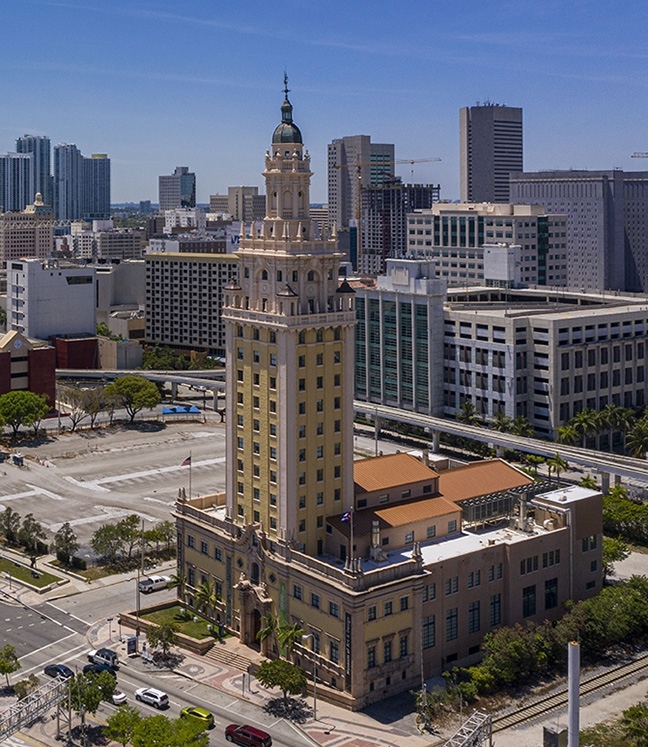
<point x="290" y="361"/>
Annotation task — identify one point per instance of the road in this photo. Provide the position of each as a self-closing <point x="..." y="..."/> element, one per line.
<point x="56" y="632"/>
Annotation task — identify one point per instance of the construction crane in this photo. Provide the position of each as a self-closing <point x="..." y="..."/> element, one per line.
<point x="639" y="154"/>
<point x="395" y="162"/>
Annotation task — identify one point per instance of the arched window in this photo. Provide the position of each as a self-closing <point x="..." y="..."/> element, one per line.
<point x="255" y="574"/>
<point x="311" y="276"/>
<point x="264" y="274"/>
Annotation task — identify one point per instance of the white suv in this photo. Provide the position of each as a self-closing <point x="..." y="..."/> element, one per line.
<point x="153" y="697"/>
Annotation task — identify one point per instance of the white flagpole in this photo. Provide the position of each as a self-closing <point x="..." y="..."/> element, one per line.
<point x="351" y="546"/>
<point x="190" y="467"/>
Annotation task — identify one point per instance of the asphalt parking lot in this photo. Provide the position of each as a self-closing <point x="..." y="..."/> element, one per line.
<point x="98" y="476"/>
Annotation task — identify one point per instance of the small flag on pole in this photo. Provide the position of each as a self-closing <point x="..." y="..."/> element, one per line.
<point x="347" y="517"/>
<point x="186" y="462"/>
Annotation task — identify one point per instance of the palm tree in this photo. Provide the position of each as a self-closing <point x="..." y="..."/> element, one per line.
<point x="207" y="596"/>
<point x="637" y="443"/>
<point x="586" y="423"/>
<point x="588" y="482"/>
<point x="521" y="427"/>
<point x="557" y="464"/>
<point x="178" y="581"/>
<point x="289" y="635"/>
<point x="567" y="434"/>
<point x="269" y="629"/>
<point x="502" y="423"/>
<point x="534" y="460"/>
<point x="468" y="414"/>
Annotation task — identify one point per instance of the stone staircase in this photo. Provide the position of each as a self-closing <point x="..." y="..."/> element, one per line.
<point x="223" y="654"/>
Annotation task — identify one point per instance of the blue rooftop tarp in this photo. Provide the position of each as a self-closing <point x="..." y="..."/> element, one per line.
<point x="180" y="410"/>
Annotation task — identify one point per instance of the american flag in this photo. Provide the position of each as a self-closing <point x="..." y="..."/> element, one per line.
<point x="186" y="462"/>
<point x="347" y="516"/>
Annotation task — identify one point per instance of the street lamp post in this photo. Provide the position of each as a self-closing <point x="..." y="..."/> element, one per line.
<point x="304" y="639"/>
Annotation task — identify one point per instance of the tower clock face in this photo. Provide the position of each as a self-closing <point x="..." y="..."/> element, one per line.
<point x="17" y="344"/>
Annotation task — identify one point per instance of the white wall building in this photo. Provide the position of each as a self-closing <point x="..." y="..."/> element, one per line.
<point x="45" y="299"/>
<point x="190" y="218"/>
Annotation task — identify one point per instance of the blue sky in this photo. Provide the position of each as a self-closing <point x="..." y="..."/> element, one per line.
<point x="198" y="82"/>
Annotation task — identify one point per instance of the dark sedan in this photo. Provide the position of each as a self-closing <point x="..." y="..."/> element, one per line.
<point x="58" y="670"/>
<point x="98" y="668"/>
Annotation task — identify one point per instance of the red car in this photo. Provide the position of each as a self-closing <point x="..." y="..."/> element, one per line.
<point x="247" y="735"/>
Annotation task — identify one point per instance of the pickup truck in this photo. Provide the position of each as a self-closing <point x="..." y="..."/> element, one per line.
<point x="153" y="583"/>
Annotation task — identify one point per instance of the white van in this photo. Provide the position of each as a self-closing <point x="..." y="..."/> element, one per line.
<point x="153" y="583"/>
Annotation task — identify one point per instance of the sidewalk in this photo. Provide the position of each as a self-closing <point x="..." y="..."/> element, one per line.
<point x="334" y="727"/>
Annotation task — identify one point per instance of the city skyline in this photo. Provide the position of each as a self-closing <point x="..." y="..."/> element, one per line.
<point x="155" y="86"/>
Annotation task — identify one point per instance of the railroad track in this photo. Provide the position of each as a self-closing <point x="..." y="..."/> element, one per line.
<point x="597" y="682"/>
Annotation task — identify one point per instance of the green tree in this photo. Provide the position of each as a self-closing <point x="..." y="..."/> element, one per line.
<point x="74" y="399"/>
<point x="25" y="687"/>
<point x="567" y="435"/>
<point x="556" y="464"/>
<point x="269" y="628"/>
<point x="522" y="427"/>
<point x="10" y="525"/>
<point x="502" y="423"/>
<point x="207" y="598"/>
<point x="167" y="531"/>
<point x="9" y="662"/>
<point x="589" y="482"/>
<point x="614" y="551"/>
<point x="134" y="393"/>
<point x="130" y="530"/>
<point x="280" y="673"/>
<point x="468" y="414"/>
<point x="31" y="531"/>
<point x="637" y="439"/>
<point x="534" y="461"/>
<point x="121" y="725"/>
<point x="289" y="635"/>
<point x="162" y="636"/>
<point x="586" y="423"/>
<point x="178" y="581"/>
<point x="94" y="402"/>
<point x="162" y="358"/>
<point x="20" y="408"/>
<point x="88" y="690"/>
<point x="108" y="541"/>
<point x="65" y="543"/>
<point x="103" y="330"/>
<point x="635" y="723"/>
<point x="160" y="731"/>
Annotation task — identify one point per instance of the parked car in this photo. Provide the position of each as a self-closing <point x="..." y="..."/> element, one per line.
<point x="247" y="735"/>
<point x="98" y="668"/>
<point x="119" y="698"/>
<point x="153" y="583"/>
<point x="153" y="697"/>
<point x="58" y="670"/>
<point x="200" y="715"/>
<point x="104" y="656"/>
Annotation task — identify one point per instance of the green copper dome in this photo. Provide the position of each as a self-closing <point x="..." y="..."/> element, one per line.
<point x="287" y="131"/>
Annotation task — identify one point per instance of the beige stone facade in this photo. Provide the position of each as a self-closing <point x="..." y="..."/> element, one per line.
<point x="392" y="569"/>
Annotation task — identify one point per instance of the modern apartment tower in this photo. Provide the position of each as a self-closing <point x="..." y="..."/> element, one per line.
<point x="490" y="148"/>
<point x="16" y="181"/>
<point x="41" y="149"/>
<point x="607" y="223"/>
<point x="177" y="190"/>
<point x="95" y="197"/>
<point x="384" y="211"/>
<point x="81" y="185"/>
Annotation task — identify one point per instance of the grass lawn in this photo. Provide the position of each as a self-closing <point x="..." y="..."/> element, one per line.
<point x="188" y="627"/>
<point x="24" y="574"/>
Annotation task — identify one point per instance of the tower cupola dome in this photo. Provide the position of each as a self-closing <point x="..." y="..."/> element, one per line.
<point x="287" y="131"/>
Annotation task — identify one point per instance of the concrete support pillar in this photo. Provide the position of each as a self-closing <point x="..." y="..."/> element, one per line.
<point x="605" y="482"/>
<point x="435" y="441"/>
<point x="377" y="426"/>
<point x="499" y="451"/>
<point x="617" y="479"/>
<point x="174" y="390"/>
